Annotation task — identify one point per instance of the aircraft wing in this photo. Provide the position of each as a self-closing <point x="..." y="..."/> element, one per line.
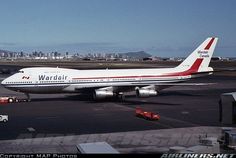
<point x="130" y="87"/>
<point x="176" y="84"/>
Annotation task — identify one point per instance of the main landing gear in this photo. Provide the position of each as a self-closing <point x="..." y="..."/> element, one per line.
<point x="28" y="96"/>
<point x="121" y="96"/>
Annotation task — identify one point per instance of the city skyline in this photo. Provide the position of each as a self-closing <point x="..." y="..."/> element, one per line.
<point x="161" y="28"/>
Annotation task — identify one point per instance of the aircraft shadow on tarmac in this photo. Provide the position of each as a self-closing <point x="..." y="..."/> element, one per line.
<point x="178" y="93"/>
<point x="140" y="102"/>
<point x="131" y="100"/>
<point x="49" y="99"/>
<point x="64" y="98"/>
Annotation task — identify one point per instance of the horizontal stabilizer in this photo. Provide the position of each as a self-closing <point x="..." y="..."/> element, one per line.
<point x="202" y="73"/>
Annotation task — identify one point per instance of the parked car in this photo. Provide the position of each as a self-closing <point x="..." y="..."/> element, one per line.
<point x="3" y="118"/>
<point x="146" y="114"/>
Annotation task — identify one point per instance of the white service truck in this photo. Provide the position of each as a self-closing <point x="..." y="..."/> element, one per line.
<point x="3" y="118"/>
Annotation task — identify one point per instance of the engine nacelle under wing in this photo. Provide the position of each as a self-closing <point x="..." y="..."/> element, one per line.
<point x="102" y="94"/>
<point x="143" y="93"/>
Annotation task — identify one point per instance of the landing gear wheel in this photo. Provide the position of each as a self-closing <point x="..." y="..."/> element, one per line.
<point x="28" y="97"/>
<point x="121" y="97"/>
<point x="10" y="100"/>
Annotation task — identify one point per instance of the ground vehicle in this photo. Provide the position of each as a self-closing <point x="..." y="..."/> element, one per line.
<point x="8" y="99"/>
<point x="146" y="114"/>
<point x="3" y="118"/>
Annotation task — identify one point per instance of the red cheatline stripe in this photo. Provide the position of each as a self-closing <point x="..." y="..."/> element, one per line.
<point x="209" y="44"/>
<point x="193" y="68"/>
<point x="151" y="76"/>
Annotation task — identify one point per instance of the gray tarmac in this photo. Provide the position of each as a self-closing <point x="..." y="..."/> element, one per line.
<point x="70" y="114"/>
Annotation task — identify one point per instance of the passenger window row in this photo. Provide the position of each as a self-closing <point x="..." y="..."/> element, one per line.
<point x="19" y="82"/>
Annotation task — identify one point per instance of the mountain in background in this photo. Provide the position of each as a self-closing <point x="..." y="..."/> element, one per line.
<point x="137" y="55"/>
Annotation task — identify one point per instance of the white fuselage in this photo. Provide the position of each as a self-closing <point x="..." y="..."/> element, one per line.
<point x="106" y="83"/>
<point x="60" y="80"/>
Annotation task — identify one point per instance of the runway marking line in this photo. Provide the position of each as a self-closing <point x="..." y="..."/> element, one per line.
<point x="178" y="121"/>
<point x="31" y="129"/>
<point x="49" y="117"/>
<point x="184" y="112"/>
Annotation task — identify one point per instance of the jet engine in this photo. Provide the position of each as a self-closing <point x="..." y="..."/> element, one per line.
<point x="102" y="94"/>
<point x="143" y="93"/>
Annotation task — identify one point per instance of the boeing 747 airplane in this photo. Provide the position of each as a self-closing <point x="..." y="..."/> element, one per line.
<point x="113" y="83"/>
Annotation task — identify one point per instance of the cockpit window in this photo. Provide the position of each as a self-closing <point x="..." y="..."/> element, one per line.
<point x="21" y="71"/>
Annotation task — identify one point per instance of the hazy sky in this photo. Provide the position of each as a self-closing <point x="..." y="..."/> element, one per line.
<point x="159" y="27"/>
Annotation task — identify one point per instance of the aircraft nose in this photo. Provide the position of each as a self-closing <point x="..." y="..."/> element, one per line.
<point x="3" y="82"/>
